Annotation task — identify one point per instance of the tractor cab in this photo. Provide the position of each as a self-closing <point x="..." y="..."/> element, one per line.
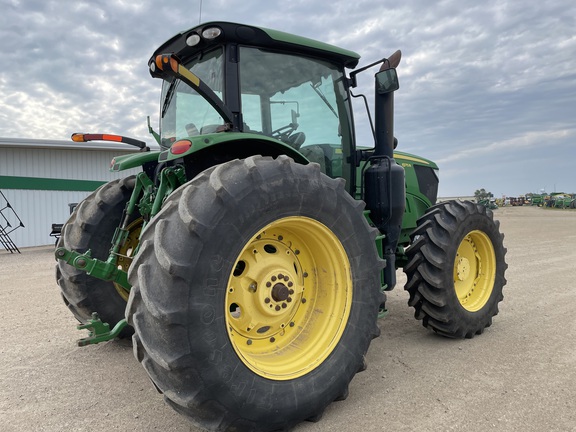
<point x="282" y="90"/>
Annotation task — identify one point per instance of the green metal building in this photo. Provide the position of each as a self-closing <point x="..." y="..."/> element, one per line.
<point x="39" y="179"/>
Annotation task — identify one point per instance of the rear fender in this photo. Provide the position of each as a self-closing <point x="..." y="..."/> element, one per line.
<point x="235" y="144"/>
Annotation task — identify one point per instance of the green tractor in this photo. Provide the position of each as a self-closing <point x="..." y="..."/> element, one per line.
<point x="250" y="256"/>
<point x="537" y="200"/>
<point x="489" y="203"/>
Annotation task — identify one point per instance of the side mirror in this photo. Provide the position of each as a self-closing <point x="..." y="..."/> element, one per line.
<point x="387" y="81"/>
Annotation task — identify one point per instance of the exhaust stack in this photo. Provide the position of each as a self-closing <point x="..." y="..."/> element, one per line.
<point x="385" y="193"/>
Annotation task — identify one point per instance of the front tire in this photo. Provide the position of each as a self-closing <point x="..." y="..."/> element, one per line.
<point x="255" y="295"/>
<point x="455" y="270"/>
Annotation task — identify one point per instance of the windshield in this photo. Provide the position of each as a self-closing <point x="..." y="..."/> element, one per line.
<point x="298" y="100"/>
<point x="184" y="112"/>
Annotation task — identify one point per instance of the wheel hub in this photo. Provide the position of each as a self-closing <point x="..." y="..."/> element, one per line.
<point x="280" y="292"/>
<point x="463" y="268"/>
<point x="276" y="299"/>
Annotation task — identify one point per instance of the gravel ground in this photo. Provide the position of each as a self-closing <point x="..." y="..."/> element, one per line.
<point x="520" y="375"/>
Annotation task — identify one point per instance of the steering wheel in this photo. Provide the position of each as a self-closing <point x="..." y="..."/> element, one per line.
<point x="284" y="132"/>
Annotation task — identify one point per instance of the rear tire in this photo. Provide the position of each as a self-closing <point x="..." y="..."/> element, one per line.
<point x="255" y="295"/>
<point x="455" y="270"/>
<point x="91" y="226"/>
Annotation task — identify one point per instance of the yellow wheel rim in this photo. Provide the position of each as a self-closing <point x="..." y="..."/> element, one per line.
<point x="126" y="253"/>
<point x="474" y="271"/>
<point x="289" y="298"/>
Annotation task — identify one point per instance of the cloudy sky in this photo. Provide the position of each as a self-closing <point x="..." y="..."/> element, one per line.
<point x="488" y="88"/>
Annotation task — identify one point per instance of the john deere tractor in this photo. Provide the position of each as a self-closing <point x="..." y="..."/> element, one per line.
<point x="250" y="256"/>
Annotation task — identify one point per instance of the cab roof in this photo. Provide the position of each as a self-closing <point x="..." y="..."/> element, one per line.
<point x="254" y="36"/>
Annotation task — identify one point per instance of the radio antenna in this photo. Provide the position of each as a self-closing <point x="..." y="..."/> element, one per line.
<point x="200" y="14"/>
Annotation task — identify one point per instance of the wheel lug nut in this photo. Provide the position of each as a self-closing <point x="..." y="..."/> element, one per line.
<point x="266" y="300"/>
<point x="280" y="276"/>
<point x="273" y="278"/>
<point x="291" y="292"/>
<point x="268" y="284"/>
<point x="289" y="299"/>
<point x="277" y="308"/>
<point x="290" y="284"/>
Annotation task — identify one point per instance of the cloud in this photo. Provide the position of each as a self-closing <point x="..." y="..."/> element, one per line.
<point x="516" y="145"/>
<point x="477" y="79"/>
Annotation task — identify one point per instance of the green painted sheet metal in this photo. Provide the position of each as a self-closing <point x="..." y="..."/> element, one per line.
<point x="52" y="184"/>
<point x="124" y="162"/>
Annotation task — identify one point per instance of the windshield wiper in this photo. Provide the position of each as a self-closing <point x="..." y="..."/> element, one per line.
<point x="319" y="93"/>
<point x="168" y="97"/>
